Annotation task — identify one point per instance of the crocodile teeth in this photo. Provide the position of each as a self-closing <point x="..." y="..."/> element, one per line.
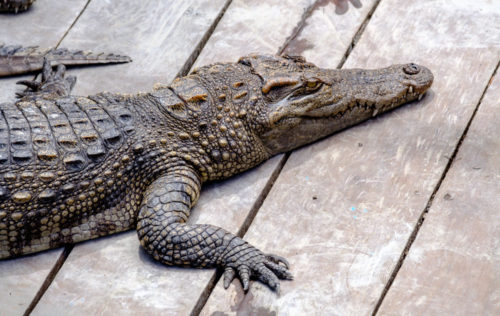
<point x="410" y="89"/>
<point x="420" y="96"/>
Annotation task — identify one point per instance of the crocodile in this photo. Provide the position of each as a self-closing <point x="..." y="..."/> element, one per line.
<point x="15" y="5"/>
<point x="16" y="59"/>
<point x="76" y="168"/>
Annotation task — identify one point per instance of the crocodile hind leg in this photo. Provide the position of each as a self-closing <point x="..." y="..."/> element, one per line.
<point x="53" y="83"/>
<point x="164" y="233"/>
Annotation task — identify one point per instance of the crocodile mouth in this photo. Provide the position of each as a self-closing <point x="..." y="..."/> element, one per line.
<point x="409" y="96"/>
<point x="337" y="111"/>
<point x="298" y="129"/>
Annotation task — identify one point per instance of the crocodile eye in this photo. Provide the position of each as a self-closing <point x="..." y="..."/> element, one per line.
<point x="312" y="85"/>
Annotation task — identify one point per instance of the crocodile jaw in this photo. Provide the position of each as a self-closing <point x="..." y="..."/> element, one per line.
<point x="346" y="98"/>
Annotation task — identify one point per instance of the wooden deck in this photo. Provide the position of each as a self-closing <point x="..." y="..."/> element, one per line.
<point x="397" y="216"/>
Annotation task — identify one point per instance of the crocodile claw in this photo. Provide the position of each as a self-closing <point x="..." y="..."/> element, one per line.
<point x="229" y="275"/>
<point x="31" y="84"/>
<point x="248" y="262"/>
<point x="278" y="259"/>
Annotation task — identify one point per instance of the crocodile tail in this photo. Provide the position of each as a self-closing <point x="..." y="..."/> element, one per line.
<point x="17" y="59"/>
<point x="15" y="5"/>
<point x="74" y="57"/>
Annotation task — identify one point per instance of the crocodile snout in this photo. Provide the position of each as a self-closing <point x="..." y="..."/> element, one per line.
<point x="420" y="78"/>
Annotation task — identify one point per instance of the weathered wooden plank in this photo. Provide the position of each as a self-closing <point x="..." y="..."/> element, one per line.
<point x="253" y="27"/>
<point x="342" y="209"/>
<point x="21" y="278"/>
<point x="158" y="36"/>
<point x="327" y="24"/>
<point x="453" y="267"/>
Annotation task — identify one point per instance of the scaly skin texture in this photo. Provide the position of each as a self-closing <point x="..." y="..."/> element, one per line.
<point x="15" y="5"/>
<point x="76" y="168"/>
<point x="15" y="59"/>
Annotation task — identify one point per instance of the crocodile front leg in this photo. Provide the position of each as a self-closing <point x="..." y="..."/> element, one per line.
<point x="164" y="233"/>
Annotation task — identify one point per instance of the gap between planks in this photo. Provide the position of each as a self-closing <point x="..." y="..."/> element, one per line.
<point x="197" y="50"/>
<point x="72" y="24"/>
<point x="421" y="219"/>
<point x="277" y="171"/>
<point x="48" y="280"/>
<point x="184" y="70"/>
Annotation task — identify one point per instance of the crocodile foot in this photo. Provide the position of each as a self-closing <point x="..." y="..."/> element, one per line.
<point x="52" y="83"/>
<point x="249" y="262"/>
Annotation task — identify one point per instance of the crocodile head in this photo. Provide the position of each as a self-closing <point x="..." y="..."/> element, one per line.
<point x="305" y="103"/>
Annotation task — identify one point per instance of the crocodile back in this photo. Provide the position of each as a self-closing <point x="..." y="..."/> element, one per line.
<point x="59" y="160"/>
<point x="68" y="134"/>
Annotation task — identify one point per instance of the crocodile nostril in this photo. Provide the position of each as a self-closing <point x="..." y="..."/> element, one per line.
<point x="411" y="69"/>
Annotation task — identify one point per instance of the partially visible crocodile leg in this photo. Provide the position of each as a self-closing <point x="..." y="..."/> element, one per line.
<point x="52" y="82"/>
<point x="164" y="233"/>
